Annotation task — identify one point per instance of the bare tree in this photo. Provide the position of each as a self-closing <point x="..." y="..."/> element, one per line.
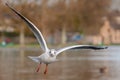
<point x="78" y="15"/>
<point x="65" y="15"/>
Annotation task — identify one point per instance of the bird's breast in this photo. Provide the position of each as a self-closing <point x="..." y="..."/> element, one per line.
<point x="48" y="59"/>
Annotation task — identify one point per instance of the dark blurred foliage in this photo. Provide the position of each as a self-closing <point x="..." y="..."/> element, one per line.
<point x="84" y="16"/>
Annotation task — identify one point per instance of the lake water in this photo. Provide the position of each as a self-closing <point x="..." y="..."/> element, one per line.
<point x="73" y="65"/>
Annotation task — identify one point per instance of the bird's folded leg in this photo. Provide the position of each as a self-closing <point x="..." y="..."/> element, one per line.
<point x="38" y="68"/>
<point x="46" y="69"/>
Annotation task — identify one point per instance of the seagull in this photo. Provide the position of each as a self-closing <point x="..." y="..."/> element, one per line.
<point x="49" y="55"/>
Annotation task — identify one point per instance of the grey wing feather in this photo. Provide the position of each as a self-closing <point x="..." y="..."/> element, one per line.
<point x="33" y="28"/>
<point x="80" y="47"/>
<point x="35" y="59"/>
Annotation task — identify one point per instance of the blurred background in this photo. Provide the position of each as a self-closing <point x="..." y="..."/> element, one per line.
<point x="62" y="23"/>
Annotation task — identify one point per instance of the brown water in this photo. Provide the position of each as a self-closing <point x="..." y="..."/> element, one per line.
<point x="73" y="65"/>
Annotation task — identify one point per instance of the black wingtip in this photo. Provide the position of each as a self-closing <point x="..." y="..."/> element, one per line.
<point x="100" y="47"/>
<point x="106" y="47"/>
<point x="7" y="4"/>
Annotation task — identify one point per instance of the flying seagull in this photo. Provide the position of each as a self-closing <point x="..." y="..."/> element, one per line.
<point x="49" y="55"/>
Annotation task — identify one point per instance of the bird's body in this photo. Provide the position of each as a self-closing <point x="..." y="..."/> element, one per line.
<point x="44" y="58"/>
<point x="49" y="55"/>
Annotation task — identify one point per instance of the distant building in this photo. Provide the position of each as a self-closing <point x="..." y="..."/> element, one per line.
<point x="110" y="31"/>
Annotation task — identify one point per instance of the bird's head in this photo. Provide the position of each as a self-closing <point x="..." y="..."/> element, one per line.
<point x="52" y="52"/>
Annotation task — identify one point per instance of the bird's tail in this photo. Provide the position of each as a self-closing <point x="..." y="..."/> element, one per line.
<point x="36" y="59"/>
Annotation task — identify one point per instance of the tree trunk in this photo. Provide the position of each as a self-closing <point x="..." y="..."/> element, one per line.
<point x="22" y="37"/>
<point x="64" y="38"/>
<point x="44" y="18"/>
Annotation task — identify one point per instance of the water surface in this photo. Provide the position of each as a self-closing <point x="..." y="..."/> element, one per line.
<point x="73" y="65"/>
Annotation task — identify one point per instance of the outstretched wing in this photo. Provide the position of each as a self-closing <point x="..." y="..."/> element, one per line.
<point x="33" y="28"/>
<point x="80" y="47"/>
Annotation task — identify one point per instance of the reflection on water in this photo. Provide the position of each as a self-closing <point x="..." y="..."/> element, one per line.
<point x="76" y="65"/>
